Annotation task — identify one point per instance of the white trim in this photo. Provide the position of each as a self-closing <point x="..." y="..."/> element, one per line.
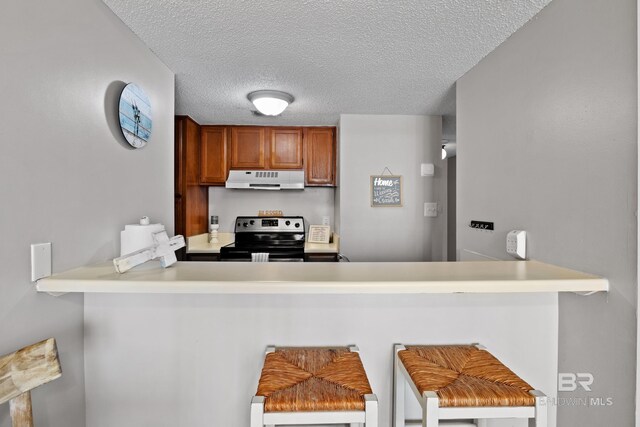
<point x="491" y="412"/>
<point x="316" y="417"/>
<point x="257" y="411"/>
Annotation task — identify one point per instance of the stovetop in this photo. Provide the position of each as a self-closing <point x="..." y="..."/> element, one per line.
<point x="280" y="237"/>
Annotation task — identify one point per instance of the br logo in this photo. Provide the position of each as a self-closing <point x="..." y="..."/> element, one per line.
<point x="568" y="381"/>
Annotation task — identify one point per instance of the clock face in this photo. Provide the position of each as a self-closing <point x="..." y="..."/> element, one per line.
<point x="135" y="116"/>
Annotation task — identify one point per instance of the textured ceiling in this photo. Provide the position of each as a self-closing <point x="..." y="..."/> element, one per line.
<point x="334" y="57"/>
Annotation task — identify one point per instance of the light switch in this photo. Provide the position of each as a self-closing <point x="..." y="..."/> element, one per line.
<point x="431" y="209"/>
<point x="427" y="169"/>
<point x="40" y="261"/>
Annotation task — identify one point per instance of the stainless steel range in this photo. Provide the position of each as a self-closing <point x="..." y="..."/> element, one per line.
<point x="279" y="239"/>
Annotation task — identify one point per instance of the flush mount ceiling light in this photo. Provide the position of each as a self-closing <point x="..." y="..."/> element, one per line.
<point x="270" y="102"/>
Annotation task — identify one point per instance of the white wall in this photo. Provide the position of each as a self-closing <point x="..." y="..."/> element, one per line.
<point x="368" y="144"/>
<point x="65" y="177"/>
<point x="547" y="142"/>
<point x="312" y="203"/>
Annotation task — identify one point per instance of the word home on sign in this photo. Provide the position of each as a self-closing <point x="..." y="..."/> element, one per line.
<point x="386" y="190"/>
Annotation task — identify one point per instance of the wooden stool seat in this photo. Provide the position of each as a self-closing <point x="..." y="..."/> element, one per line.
<point x="462" y="382"/>
<point x="313" y="385"/>
<point x="464" y="375"/>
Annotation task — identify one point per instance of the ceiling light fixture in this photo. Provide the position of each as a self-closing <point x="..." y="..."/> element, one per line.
<point x="270" y="102"/>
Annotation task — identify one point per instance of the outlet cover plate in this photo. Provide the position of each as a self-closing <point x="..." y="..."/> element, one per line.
<point x="40" y="261"/>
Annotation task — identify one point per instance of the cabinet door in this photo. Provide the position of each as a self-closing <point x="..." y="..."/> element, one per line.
<point x="213" y="155"/>
<point x="248" y="147"/>
<point x="191" y="199"/>
<point x="320" y="157"/>
<point x="285" y="148"/>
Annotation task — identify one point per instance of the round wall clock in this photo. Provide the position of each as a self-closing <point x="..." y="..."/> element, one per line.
<point x="135" y="115"/>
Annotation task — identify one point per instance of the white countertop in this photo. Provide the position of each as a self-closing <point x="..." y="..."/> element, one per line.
<point x="200" y="245"/>
<point x="327" y="278"/>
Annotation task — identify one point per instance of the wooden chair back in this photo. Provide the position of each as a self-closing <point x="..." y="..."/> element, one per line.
<point x="21" y="372"/>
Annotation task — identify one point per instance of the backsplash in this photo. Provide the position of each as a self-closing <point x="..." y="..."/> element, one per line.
<point x="312" y="203"/>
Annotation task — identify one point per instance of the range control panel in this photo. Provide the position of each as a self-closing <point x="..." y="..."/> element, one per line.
<point x="257" y="224"/>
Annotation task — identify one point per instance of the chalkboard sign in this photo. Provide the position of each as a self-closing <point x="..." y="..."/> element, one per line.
<point x="386" y="190"/>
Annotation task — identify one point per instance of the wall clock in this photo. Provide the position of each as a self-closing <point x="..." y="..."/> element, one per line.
<point x="135" y="115"/>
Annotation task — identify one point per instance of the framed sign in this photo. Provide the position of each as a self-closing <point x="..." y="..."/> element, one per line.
<point x="386" y="191"/>
<point x="319" y="234"/>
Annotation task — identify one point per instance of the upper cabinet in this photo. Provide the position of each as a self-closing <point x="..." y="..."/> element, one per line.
<point x="285" y="148"/>
<point x="222" y="148"/>
<point x="248" y="147"/>
<point x="320" y="156"/>
<point x="213" y="154"/>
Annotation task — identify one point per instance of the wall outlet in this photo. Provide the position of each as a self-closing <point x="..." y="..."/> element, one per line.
<point x="431" y="209"/>
<point x="40" y="261"/>
<point x="517" y="244"/>
<point x="326" y="220"/>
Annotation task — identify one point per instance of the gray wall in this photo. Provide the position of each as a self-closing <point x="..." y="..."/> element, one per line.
<point x="452" y="253"/>
<point x="547" y="142"/>
<point x="65" y="177"/>
<point x="368" y="144"/>
<point x="195" y="360"/>
<point x="312" y="203"/>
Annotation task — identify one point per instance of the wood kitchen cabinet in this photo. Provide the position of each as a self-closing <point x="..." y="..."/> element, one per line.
<point x="320" y="156"/>
<point x="248" y="147"/>
<point x="221" y="148"/>
<point x="191" y="200"/>
<point x="285" y="148"/>
<point x="213" y="155"/>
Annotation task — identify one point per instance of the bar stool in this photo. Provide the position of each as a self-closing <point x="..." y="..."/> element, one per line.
<point x="462" y="382"/>
<point x="313" y="385"/>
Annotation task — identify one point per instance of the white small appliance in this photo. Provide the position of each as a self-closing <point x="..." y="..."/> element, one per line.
<point x="266" y="180"/>
<point x="138" y="236"/>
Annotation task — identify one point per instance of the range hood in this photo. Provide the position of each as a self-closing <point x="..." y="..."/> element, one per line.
<point x="266" y="180"/>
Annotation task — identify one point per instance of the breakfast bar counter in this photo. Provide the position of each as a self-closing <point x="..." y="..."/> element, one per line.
<point x="195" y="333"/>
<point x="327" y="278"/>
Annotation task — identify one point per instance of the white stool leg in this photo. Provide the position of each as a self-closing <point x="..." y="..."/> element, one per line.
<point x="370" y="410"/>
<point x="398" y="389"/>
<point x="540" y="419"/>
<point x="257" y="411"/>
<point x="430" y="412"/>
